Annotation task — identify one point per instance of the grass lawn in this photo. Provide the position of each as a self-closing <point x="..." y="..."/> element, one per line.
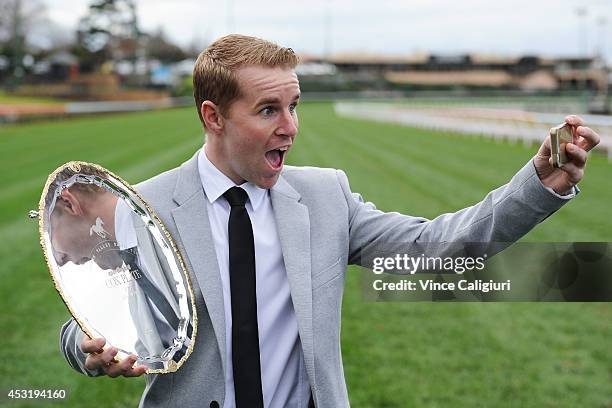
<point x="395" y="354"/>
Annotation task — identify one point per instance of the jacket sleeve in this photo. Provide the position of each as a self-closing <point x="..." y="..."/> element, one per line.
<point x="71" y="336"/>
<point x="501" y="218"/>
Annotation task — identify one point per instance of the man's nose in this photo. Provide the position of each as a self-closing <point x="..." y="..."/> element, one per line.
<point x="288" y="124"/>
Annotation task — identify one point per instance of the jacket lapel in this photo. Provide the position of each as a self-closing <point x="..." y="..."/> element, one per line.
<point x="293" y="223"/>
<point x="191" y="218"/>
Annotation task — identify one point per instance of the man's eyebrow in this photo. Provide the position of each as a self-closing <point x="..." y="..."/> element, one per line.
<point x="273" y="100"/>
<point x="267" y="101"/>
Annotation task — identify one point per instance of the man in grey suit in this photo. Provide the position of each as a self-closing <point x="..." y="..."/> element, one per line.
<point x="307" y="226"/>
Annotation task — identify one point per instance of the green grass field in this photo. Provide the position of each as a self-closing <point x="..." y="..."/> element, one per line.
<point x="395" y="354"/>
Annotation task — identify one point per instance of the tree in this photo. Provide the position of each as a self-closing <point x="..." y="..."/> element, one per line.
<point x="158" y="47"/>
<point x="17" y="18"/>
<point x="108" y="31"/>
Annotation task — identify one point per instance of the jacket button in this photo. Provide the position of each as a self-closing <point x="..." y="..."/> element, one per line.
<point x="214" y="404"/>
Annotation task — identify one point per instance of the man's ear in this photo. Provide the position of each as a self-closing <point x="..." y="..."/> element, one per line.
<point x="71" y="203"/>
<point x="212" y="117"/>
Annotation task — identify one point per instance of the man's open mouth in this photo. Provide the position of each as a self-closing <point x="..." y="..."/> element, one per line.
<point x="275" y="157"/>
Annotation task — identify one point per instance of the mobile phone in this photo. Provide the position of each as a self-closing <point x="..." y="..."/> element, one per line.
<point x="559" y="137"/>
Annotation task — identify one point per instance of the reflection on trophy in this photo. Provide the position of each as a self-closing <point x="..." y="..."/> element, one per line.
<point x="116" y="267"/>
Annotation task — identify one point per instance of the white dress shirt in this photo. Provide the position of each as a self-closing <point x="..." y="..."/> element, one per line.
<point x="283" y="374"/>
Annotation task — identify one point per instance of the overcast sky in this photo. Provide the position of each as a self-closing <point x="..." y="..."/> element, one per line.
<point x="543" y="27"/>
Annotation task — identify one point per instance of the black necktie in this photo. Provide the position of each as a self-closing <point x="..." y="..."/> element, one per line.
<point x="245" y="337"/>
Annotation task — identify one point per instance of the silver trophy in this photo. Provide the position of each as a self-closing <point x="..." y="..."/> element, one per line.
<point x="116" y="267"/>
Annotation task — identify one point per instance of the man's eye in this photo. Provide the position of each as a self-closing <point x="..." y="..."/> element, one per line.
<point x="292" y="107"/>
<point x="268" y="110"/>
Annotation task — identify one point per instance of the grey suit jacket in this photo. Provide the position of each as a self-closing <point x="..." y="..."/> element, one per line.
<point x="322" y="226"/>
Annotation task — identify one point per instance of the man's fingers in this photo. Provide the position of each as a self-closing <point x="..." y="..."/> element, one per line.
<point x="127" y="363"/>
<point x="116" y="369"/>
<point x="574" y="120"/>
<point x="576" y="154"/>
<point x="125" y="368"/>
<point x="92" y="345"/>
<point x="588" y="138"/>
<point x="574" y="172"/>
<point x="113" y="370"/>
<point x="136" y="371"/>
<point x="103" y="359"/>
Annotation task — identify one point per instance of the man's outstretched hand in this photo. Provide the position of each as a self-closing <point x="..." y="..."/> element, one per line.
<point x="562" y="180"/>
<point x="98" y="358"/>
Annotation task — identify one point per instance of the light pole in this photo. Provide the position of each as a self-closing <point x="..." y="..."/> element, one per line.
<point x="602" y="22"/>
<point x="328" y="30"/>
<point x="581" y="74"/>
<point x="582" y="12"/>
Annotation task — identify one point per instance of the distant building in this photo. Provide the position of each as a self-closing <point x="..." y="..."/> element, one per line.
<point x="425" y="71"/>
<point x="58" y="66"/>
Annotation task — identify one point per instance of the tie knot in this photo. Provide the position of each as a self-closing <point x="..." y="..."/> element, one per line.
<point x="236" y="196"/>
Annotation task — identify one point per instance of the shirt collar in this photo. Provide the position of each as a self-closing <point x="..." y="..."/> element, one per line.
<point x="215" y="183"/>
<point x="125" y="234"/>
